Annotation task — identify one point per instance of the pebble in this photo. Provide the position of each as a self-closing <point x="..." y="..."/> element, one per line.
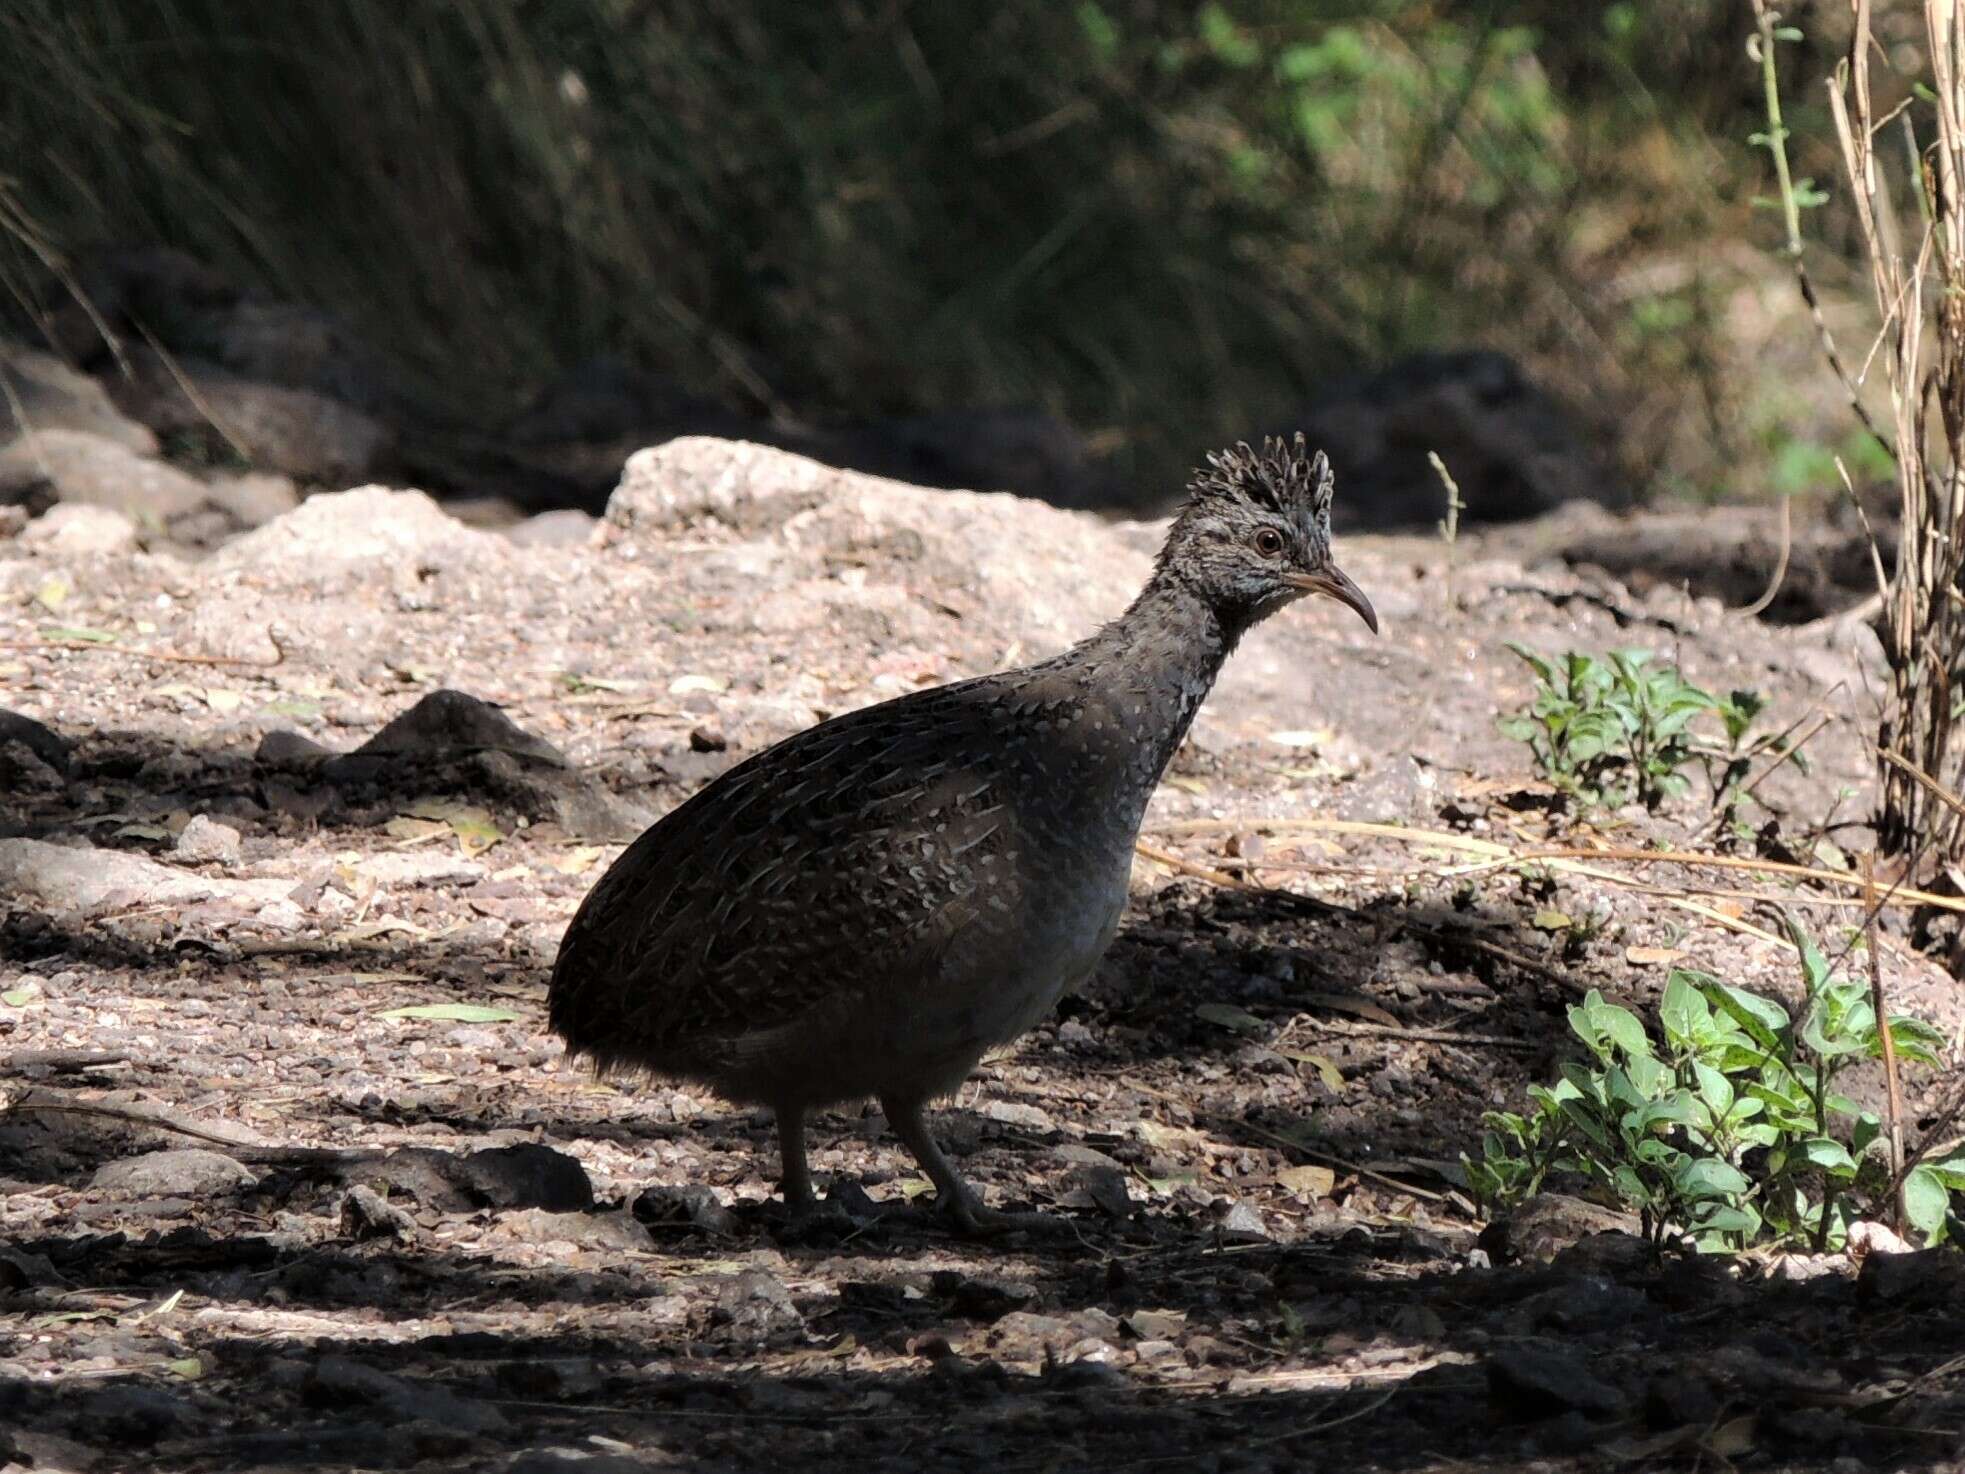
<point x="1540" y="1380"/>
<point x="1016" y="1113"/>
<point x="1242" y="1223"/>
<point x="526" y="1176"/>
<point x="281" y="916"/>
<point x="78" y="529"/>
<point x="190" y="1171"/>
<point x="205" y="841"/>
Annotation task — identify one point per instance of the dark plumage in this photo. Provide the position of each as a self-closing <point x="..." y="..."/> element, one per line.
<point x="867" y="907"/>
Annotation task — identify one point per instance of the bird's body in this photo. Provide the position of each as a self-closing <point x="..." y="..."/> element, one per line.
<point x="869" y="906"/>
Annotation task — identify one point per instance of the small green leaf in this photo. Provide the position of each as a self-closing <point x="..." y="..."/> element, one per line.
<point x="1763" y="1019"/>
<point x="454" y="1013"/>
<point x="1227" y="1016"/>
<point x="79" y="633"/>
<point x="1715" y="1090"/>
<point x="1326" y="1071"/>
<point x="1828" y="1154"/>
<point x="1684" y="1009"/>
<point x="1926" y="1202"/>
<point x="1623" y="1028"/>
<point x="1709" y="1177"/>
<point x="1721" y="1217"/>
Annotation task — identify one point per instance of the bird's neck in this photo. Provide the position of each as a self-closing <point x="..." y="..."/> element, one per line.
<point x="1155" y="664"/>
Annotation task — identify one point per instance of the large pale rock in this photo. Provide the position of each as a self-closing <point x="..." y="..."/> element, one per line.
<point x="192" y="1172"/>
<point x="43" y="393"/>
<point x="296" y="432"/>
<point x="78" y="880"/>
<point x="49" y="466"/>
<point x="735" y="482"/>
<point x="824" y="544"/>
<point x="78" y="530"/>
<point x="372" y="527"/>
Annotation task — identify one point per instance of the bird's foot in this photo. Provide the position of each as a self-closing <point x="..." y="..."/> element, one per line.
<point x="968" y="1215"/>
<point x="844" y="1210"/>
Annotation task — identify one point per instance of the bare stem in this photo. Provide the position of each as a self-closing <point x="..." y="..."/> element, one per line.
<point x="1893" y="1089"/>
<point x="1450" y="525"/>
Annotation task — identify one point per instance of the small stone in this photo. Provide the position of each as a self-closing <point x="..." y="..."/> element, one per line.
<point x="205" y="841"/>
<point x="1106" y="1185"/>
<point x="280" y="916"/>
<point x="613" y="1230"/>
<point x="1539" y="1380"/>
<point x="707" y="739"/>
<point x="850" y="1198"/>
<point x="22" y="771"/>
<point x="282" y="749"/>
<point x="526" y="1176"/>
<point x="366" y="1214"/>
<point x="690" y="1203"/>
<point x="187" y="1171"/>
<point x="79" y="529"/>
<point x="254" y="498"/>
<point x="42" y="741"/>
<point x="451" y="722"/>
<point x="755" y="1303"/>
<point x="984" y="1299"/>
<point x="1016" y="1113"/>
<point x="1547" y="1224"/>
<point x="1240" y="1223"/>
<point x="1933" y="1276"/>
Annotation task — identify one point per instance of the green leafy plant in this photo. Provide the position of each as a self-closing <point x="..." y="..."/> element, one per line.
<point x="1607" y="731"/>
<point x="1726" y="1127"/>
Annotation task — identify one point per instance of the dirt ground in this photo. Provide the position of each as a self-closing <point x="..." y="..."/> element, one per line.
<point x="361" y="1239"/>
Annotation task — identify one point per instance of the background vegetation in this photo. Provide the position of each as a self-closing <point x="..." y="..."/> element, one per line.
<point x="1165" y="222"/>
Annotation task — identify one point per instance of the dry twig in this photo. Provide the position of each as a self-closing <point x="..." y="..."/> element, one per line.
<point x="1893" y="1088"/>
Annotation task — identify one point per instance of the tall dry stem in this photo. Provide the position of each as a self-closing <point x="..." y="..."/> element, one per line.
<point x="1917" y="272"/>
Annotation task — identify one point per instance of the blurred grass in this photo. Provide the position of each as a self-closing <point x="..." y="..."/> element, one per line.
<point x="1167" y="223"/>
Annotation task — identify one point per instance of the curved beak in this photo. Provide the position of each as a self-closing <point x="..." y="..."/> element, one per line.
<point x="1332" y="582"/>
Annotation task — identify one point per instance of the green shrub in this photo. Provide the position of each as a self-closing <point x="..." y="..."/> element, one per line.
<point x="1726" y="1126"/>
<point x="1612" y="730"/>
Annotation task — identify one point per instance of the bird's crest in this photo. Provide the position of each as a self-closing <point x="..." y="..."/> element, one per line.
<point x="1283" y="477"/>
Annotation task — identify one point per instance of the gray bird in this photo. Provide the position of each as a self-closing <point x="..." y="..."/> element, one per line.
<point x="869" y="906"/>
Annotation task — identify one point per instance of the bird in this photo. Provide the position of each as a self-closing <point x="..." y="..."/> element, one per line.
<point x="866" y="908"/>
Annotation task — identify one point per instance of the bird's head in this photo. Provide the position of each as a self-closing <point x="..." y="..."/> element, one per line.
<point x="1255" y="533"/>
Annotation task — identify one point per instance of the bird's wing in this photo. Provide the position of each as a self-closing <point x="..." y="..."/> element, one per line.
<point x="846" y="857"/>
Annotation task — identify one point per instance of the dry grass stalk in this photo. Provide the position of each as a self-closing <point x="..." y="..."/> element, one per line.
<point x="1893" y="1116"/>
<point x="1917" y="274"/>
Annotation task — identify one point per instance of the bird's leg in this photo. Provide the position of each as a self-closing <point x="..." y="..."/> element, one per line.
<point x="962" y="1203"/>
<point x="797" y="1183"/>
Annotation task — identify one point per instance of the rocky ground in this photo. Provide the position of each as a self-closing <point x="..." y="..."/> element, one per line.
<point x="292" y="1177"/>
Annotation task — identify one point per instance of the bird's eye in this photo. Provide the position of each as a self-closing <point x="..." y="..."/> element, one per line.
<point x="1269" y="542"/>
